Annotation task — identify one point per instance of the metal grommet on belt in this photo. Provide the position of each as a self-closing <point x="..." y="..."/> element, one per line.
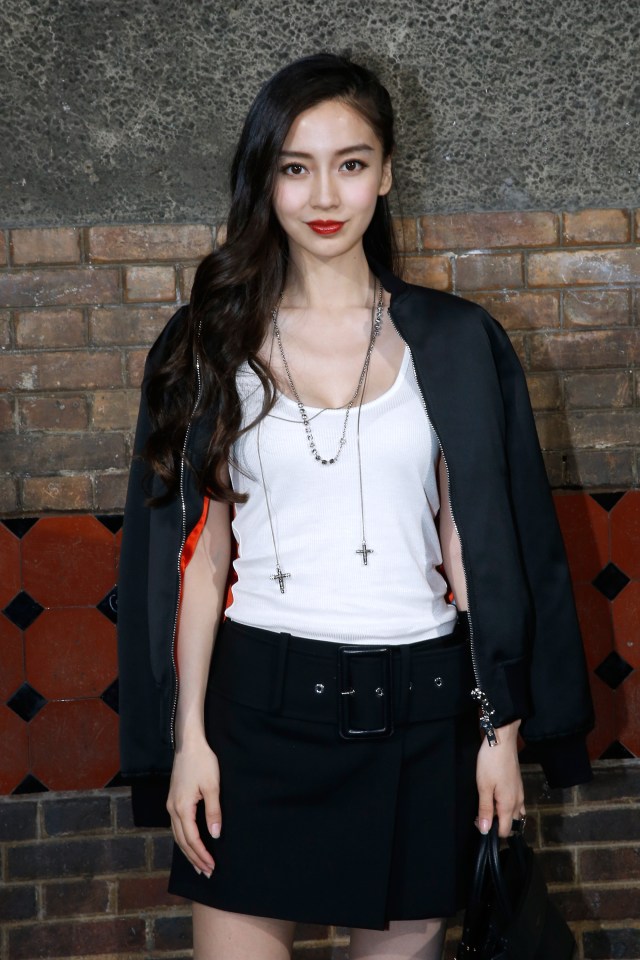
<point x="438" y="681"/>
<point x="319" y="687"/>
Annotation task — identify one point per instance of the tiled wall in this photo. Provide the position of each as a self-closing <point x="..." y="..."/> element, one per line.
<point x="58" y="686"/>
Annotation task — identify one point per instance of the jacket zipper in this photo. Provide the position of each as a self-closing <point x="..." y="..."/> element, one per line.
<point x="183" y="540"/>
<point x="486" y="708"/>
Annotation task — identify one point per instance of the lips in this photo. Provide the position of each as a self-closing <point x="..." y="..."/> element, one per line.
<point x="326" y="226"/>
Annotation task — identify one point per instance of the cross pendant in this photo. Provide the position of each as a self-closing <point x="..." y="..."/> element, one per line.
<point x="364" y="552"/>
<point x="280" y="577"/>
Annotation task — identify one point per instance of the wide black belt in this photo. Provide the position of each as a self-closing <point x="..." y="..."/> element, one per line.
<point x="367" y="690"/>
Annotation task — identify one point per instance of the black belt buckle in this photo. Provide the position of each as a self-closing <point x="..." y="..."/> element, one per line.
<point x="365" y="691"/>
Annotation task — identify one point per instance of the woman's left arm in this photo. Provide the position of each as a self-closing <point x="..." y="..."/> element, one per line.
<point x="497" y="771"/>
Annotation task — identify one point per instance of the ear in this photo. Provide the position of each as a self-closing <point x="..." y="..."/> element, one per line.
<point x="386" y="178"/>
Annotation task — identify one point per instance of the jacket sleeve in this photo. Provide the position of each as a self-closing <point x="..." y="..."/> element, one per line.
<point x="562" y="707"/>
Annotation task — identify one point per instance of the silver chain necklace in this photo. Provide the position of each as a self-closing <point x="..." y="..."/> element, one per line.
<point x="364" y="551"/>
<point x="375" y="330"/>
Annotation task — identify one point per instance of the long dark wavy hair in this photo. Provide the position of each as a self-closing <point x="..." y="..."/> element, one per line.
<point x="237" y="286"/>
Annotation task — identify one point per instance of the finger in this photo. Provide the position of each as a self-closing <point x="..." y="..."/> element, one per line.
<point x="178" y="834"/>
<point x="507" y="813"/>
<point x="194" y="848"/>
<point x="485" y="810"/>
<point x="212" y="812"/>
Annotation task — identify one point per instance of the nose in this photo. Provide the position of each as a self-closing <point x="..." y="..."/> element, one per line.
<point x="324" y="193"/>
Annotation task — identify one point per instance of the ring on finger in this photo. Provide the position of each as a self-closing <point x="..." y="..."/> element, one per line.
<point x="517" y="826"/>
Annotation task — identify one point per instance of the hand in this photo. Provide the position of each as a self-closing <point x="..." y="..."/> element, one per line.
<point x="195" y="776"/>
<point x="500" y="781"/>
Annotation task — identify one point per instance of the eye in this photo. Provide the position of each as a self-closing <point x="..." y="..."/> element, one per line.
<point x="350" y="165"/>
<point x="293" y="169"/>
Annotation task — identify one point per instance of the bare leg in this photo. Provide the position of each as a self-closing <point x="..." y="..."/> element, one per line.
<point x="404" y="940"/>
<point x="222" y="935"/>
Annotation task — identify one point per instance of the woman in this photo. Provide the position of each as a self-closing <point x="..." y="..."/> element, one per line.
<point x="338" y="727"/>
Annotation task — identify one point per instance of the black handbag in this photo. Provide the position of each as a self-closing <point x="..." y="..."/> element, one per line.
<point x="509" y="915"/>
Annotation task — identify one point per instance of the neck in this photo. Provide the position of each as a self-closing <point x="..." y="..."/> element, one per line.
<point x="338" y="283"/>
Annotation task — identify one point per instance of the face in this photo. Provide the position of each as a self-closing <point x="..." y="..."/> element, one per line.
<point x="330" y="174"/>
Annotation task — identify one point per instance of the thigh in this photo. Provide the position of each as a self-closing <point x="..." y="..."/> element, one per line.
<point x="223" y="935"/>
<point x="404" y="940"/>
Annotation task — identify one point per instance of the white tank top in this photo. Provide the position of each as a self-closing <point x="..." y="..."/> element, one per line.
<point x="398" y="597"/>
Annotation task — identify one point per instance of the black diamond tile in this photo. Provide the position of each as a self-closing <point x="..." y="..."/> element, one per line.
<point x="613" y="670"/>
<point x="20" y="525"/>
<point x="23" y="610"/>
<point x="608" y="500"/>
<point x="30" y="784"/>
<point x="111" y="696"/>
<point x="111" y="522"/>
<point x="616" y="751"/>
<point x="109" y="605"/>
<point x="26" y="702"/>
<point x="610" y="581"/>
<point x="117" y="781"/>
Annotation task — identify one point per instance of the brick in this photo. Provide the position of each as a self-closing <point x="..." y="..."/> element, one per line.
<point x="545" y="391"/>
<point x="598" y="903"/>
<point x="135" y="361"/>
<point x="124" y="326"/>
<point x="67" y="412"/>
<point x="35" y="288"/>
<point x="145" y="893"/>
<point x="564" y="267"/>
<point x="582" y="349"/>
<point x="599" y="468"/>
<point x="406" y="233"/>
<point x="428" y="271"/>
<point x="81" y="939"/>
<point x="537" y="791"/>
<point x="88" y="857"/>
<point x="311" y="952"/>
<point x="76" y="898"/>
<point x="186" y="277"/>
<point x="61" y="370"/>
<point x="604" y="864"/>
<point x="450" y="231"/>
<point x="45" y="245"/>
<point x="637" y="219"/>
<point x="597" y="308"/>
<point x="51" y="328"/>
<point x="110" y="491"/>
<point x="611" y="784"/>
<point x="6" y="414"/>
<point x="57" y="493"/>
<point x="603" y="428"/>
<point x="18" y="902"/>
<point x="221" y="233"/>
<point x="618" y="824"/>
<point x="3" y="248"/>
<point x="18" y="819"/>
<point x="123" y="812"/>
<point x="71" y="451"/>
<point x="173" y="933"/>
<point x="522" y="310"/>
<point x="488" y="271"/>
<point x="115" y="409"/>
<point x="162" y="847"/>
<point x="149" y="283"/>
<point x="596" y="226"/>
<point x="149" y="242"/>
<point x="611" y="389"/>
<point x="5" y="329"/>
<point x="76" y="815"/>
<point x="311" y="931"/>
<point x="8" y="495"/>
<point x="554" y="466"/>
<point x="556" y="865"/>
<point x="603" y="944"/>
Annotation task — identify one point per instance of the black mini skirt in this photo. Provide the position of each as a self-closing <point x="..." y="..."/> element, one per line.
<point x="348" y="789"/>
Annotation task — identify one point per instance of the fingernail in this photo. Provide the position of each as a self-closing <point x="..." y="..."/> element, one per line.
<point x="484" y="826"/>
<point x="197" y="870"/>
<point x="214" y="830"/>
<point x="208" y="875"/>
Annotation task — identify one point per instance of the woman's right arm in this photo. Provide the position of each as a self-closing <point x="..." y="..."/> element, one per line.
<point x="196" y="775"/>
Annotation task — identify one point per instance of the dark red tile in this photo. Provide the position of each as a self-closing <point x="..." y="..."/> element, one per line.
<point x="74" y="745"/>
<point x="628" y="713"/>
<point x="14" y="755"/>
<point x="68" y="561"/>
<point x="585" y="530"/>
<point x="626" y="624"/>
<point x="594" y="615"/>
<point x="604" y="731"/>
<point x="71" y="653"/>
<point x="117" y="541"/>
<point x="9" y="566"/>
<point x="11" y="658"/>
<point x="625" y="534"/>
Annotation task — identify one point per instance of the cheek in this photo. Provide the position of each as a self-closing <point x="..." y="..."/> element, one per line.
<point x="286" y="198"/>
<point x="363" y="195"/>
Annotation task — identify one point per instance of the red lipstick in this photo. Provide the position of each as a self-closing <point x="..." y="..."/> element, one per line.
<point x="326" y="226"/>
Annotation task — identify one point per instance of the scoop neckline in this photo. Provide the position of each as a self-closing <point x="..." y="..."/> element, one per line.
<point x="368" y="403"/>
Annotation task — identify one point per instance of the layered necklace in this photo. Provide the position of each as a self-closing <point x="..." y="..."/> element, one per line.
<point x="376" y="326"/>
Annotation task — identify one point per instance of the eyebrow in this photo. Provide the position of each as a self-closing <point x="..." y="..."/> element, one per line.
<point x="357" y="148"/>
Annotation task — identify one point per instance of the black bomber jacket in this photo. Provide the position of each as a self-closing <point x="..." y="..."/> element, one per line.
<point x="527" y="651"/>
